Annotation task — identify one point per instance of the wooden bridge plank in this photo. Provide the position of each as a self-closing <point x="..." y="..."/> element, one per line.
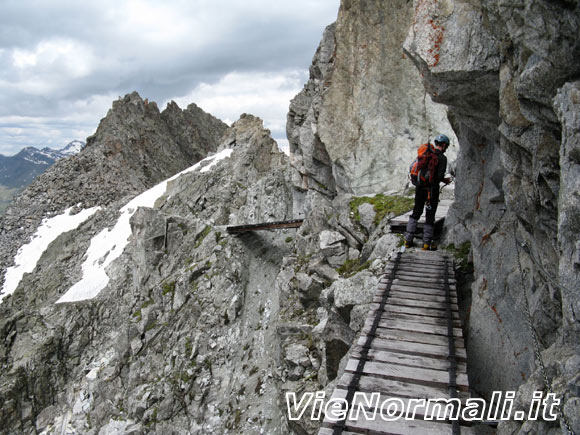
<point x="432" y="350"/>
<point x="408" y="325"/>
<point x="330" y="431"/>
<point x="422" y="277"/>
<point x="405" y="427"/>
<point x="417" y="292"/>
<point x="413" y="270"/>
<point x="422" y="290"/>
<point x="410" y="407"/>
<point x="417" y="375"/>
<point x="398" y="388"/>
<point x="410" y="302"/>
<point x="428" y="312"/>
<point x="433" y="256"/>
<point x="423" y="297"/>
<point x="409" y="360"/>
<point x="418" y="264"/>
<point x="418" y="283"/>
<point x="413" y="263"/>
<point x="437" y="321"/>
<point x="414" y="336"/>
<point x="295" y="223"/>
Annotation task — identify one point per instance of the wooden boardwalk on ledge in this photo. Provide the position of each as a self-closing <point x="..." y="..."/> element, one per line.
<point x="411" y="347"/>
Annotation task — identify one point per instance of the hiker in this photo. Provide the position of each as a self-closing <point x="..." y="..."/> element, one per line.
<point x="426" y="174"/>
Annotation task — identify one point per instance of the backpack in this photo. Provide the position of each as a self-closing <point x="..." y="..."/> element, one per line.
<point x="422" y="170"/>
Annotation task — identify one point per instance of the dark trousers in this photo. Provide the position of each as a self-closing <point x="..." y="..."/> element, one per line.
<point x="421" y="195"/>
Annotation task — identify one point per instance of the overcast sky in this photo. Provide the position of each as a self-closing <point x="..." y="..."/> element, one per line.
<point x="62" y="63"/>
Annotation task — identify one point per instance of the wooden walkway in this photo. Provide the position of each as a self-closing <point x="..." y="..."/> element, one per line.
<point x="399" y="223"/>
<point x="236" y="229"/>
<point x="411" y="347"/>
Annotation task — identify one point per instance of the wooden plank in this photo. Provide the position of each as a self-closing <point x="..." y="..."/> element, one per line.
<point x="410" y="257"/>
<point x="416" y="262"/>
<point x="330" y="431"/>
<point x="421" y="285"/>
<point x="404" y="427"/>
<point x="411" y="407"/>
<point x="407" y="267"/>
<point x="414" y="336"/>
<point x="438" y="321"/>
<point x="432" y="350"/>
<point x="433" y="256"/>
<point x="410" y="360"/>
<point x="409" y="302"/>
<point x="424" y="278"/>
<point x="423" y="290"/>
<point x="417" y="287"/>
<point x="296" y="223"/>
<point x="422" y="263"/>
<point x="427" y="270"/>
<point x="397" y="388"/>
<point x="416" y="375"/>
<point x="428" y="312"/>
<point x="406" y="325"/>
<point x="429" y="254"/>
<point x="417" y="282"/>
<point x="420" y="297"/>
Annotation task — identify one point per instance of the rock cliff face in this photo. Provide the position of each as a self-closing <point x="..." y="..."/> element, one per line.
<point x="513" y="100"/>
<point x="358" y="122"/>
<point x="507" y="71"/>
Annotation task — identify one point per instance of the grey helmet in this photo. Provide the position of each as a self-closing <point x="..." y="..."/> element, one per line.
<point x="441" y="143"/>
<point x="441" y="138"/>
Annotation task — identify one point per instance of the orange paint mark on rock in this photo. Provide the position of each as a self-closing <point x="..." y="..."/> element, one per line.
<point x="496" y="314"/>
<point x="425" y="22"/>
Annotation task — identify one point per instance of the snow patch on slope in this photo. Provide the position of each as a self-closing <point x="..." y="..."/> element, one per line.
<point x="108" y="245"/>
<point x="29" y="254"/>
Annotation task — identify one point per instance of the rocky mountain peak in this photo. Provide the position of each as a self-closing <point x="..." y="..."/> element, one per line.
<point x="134" y="147"/>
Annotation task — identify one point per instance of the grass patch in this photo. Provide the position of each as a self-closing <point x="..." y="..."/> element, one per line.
<point x="382" y="205"/>
<point x="352" y="267"/>
<point x="401" y="241"/>
<point x="461" y="255"/>
<point x="168" y="287"/>
<point x="199" y="237"/>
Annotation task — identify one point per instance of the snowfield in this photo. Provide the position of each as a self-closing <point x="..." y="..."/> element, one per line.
<point x="108" y="245"/>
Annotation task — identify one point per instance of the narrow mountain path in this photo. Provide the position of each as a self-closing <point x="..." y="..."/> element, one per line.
<point x="411" y="349"/>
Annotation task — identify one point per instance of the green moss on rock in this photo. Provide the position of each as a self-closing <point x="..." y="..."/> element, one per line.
<point x="382" y="204"/>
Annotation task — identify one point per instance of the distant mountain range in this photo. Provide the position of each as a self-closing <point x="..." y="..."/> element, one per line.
<point x="18" y="171"/>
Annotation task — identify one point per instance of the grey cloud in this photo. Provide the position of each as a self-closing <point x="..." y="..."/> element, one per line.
<point x="256" y="39"/>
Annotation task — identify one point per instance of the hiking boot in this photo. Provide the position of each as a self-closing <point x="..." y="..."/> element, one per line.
<point x="429" y="246"/>
<point x="408" y="244"/>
